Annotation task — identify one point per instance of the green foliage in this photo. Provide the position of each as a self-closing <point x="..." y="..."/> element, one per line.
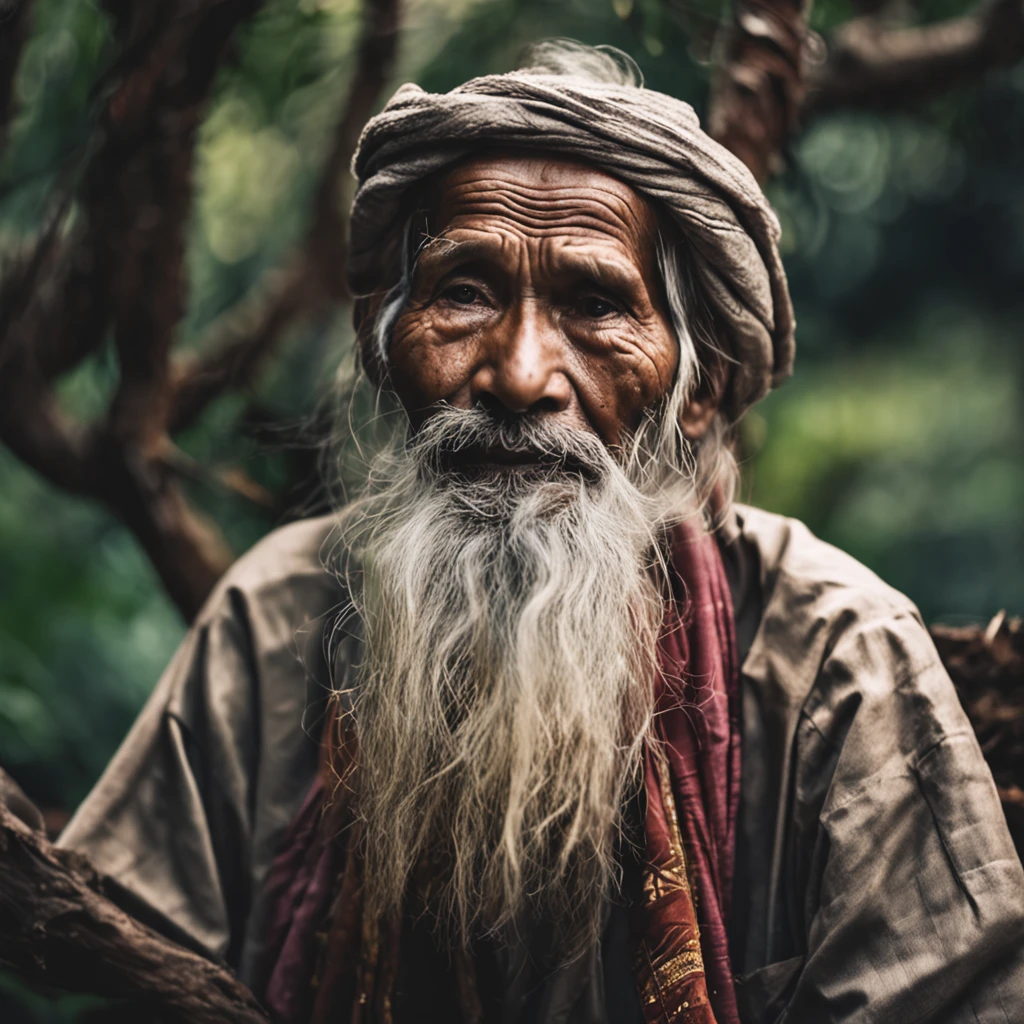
<point x="63" y="61"/>
<point x="22" y="1005"/>
<point x="85" y="629"/>
<point x="901" y="438"/>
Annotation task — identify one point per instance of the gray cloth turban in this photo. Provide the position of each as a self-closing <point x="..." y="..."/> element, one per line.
<point x="650" y="141"/>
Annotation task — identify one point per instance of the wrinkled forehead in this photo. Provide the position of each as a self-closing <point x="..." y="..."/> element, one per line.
<point x="542" y="195"/>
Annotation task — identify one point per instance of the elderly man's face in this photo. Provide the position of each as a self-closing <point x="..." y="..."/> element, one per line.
<point x="549" y="301"/>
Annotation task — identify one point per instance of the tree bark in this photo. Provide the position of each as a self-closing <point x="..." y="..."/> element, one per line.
<point x="313" y="279"/>
<point x="121" y="275"/>
<point x="59" y="929"/>
<point x="872" y="65"/>
<point x="758" y="88"/>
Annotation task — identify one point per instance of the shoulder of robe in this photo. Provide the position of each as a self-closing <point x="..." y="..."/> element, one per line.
<point x="834" y="641"/>
<point x="893" y="872"/>
<point x="283" y="572"/>
<point x="260" y="637"/>
<point x="221" y="755"/>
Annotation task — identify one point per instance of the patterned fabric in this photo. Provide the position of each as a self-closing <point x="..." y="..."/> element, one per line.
<point x="326" y="962"/>
<point x="692" y="776"/>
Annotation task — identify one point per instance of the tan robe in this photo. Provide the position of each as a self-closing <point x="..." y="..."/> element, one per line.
<point x="876" y="880"/>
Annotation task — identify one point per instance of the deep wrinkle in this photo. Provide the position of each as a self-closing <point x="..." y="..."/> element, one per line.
<point x="537" y="291"/>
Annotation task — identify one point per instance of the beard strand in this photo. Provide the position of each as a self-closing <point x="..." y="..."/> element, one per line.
<point x="511" y="621"/>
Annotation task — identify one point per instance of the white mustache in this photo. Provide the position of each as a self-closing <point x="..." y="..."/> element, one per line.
<point x="449" y="435"/>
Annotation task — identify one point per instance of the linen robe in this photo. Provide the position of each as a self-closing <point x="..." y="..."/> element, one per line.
<point x="875" y="877"/>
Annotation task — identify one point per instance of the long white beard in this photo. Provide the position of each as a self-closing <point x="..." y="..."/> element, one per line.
<point x="511" y="621"/>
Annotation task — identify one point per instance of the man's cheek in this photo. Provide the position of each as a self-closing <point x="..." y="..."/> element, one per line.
<point x="633" y="385"/>
<point x="412" y="363"/>
<point x="410" y="330"/>
<point x="647" y="375"/>
<point x="426" y="366"/>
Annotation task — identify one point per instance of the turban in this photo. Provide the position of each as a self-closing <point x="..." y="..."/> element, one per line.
<point x="650" y="141"/>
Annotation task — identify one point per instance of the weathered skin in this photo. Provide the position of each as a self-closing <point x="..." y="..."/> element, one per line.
<point x="549" y="301"/>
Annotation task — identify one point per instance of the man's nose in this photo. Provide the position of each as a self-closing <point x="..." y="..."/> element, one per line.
<point x="523" y="366"/>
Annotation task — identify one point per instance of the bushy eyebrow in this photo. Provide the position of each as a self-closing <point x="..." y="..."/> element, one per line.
<point x="607" y="270"/>
<point x="439" y="250"/>
<point x="614" y="272"/>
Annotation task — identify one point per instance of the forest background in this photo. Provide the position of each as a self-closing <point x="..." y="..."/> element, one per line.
<point x="900" y="437"/>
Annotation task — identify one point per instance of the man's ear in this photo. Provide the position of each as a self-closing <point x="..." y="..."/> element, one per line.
<point x="697" y="415"/>
<point x="707" y="397"/>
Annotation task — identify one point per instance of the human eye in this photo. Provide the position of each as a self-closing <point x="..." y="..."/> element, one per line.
<point x="598" y="307"/>
<point x="462" y="294"/>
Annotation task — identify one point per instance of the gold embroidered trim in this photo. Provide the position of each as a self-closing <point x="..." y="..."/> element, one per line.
<point x="680" y="966"/>
<point x="677" y="864"/>
<point x="663" y="981"/>
<point x="657" y="978"/>
<point x="669" y="877"/>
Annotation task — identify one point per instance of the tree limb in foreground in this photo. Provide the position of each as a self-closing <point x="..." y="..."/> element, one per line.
<point x="58" y="929"/>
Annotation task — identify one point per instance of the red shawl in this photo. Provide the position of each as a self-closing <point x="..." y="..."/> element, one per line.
<point x="326" y="963"/>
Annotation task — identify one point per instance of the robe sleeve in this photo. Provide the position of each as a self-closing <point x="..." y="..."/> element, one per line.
<point x="189" y="813"/>
<point x="912" y="891"/>
<point x="169" y="820"/>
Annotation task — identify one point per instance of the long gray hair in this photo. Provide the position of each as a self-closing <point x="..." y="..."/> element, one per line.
<point x="511" y="622"/>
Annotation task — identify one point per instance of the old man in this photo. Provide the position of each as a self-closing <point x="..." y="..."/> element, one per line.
<point x="543" y="727"/>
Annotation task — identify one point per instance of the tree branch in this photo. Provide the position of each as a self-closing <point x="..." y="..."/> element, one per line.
<point x="758" y="88"/>
<point x="138" y="201"/>
<point x="877" y="67"/>
<point x="121" y="275"/>
<point x="35" y="429"/>
<point x="186" y="548"/>
<point x="326" y="240"/>
<point x="141" y="197"/>
<point x="239" y="342"/>
<point x="765" y="85"/>
<point x="58" y="928"/>
<point x="314" y="278"/>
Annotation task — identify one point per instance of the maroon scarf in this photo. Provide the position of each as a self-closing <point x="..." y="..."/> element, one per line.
<point x="326" y="962"/>
<point x="692" y="786"/>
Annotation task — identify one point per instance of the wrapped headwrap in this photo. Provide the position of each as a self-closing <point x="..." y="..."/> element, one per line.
<point x="648" y="140"/>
